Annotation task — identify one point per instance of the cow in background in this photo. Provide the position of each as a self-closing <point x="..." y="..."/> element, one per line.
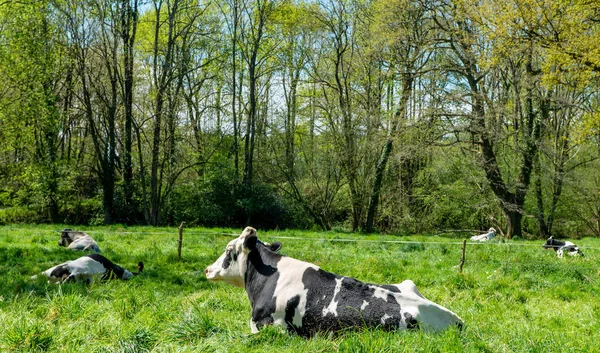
<point x="88" y="267"/>
<point x="485" y="237"/>
<point x="306" y="299"/>
<point x="562" y="247"/>
<point x="77" y="241"/>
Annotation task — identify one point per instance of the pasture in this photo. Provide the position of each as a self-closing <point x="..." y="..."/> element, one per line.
<point x="513" y="296"/>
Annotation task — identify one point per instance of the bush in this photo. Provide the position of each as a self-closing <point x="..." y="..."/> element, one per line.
<point x="21" y="214"/>
<point x="222" y="201"/>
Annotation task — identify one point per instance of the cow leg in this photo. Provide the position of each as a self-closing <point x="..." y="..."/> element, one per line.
<point x="253" y="326"/>
<point x="70" y="278"/>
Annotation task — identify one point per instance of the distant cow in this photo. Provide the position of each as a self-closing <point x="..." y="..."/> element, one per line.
<point x="77" y="241"/>
<point x="306" y="299"/>
<point x="88" y="267"/>
<point x="485" y="237"/>
<point x="562" y="246"/>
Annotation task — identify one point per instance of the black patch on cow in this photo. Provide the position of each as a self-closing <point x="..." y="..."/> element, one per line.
<point x="227" y="260"/>
<point x="111" y="270"/>
<point x="60" y="271"/>
<point x="554" y="244"/>
<point x="275" y="247"/>
<point x="391" y="288"/>
<point x="411" y="322"/>
<point x="290" y="310"/>
<point x="261" y="279"/>
<point x="251" y="241"/>
<point x="350" y="298"/>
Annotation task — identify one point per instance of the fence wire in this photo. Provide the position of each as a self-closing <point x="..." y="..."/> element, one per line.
<point x="341" y="240"/>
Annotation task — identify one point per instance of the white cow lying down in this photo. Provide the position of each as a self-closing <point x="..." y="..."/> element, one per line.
<point x="485" y="237"/>
<point x="306" y="299"/>
<point x="77" y="241"/>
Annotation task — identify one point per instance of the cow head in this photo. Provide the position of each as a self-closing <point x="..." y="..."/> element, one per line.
<point x="118" y="272"/>
<point x="552" y="243"/>
<point x="65" y="238"/>
<point x="231" y="266"/>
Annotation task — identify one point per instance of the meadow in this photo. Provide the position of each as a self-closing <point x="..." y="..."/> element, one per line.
<point x="513" y="296"/>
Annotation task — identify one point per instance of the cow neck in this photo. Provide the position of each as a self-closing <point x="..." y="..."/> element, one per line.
<point x="556" y="244"/>
<point x="108" y="265"/>
<point x="261" y="273"/>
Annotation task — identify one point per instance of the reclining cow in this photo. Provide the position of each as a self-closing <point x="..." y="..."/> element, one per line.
<point x="88" y="267"/>
<point x="77" y="241"/>
<point x="562" y="246"/>
<point x="306" y="299"/>
<point x="491" y="233"/>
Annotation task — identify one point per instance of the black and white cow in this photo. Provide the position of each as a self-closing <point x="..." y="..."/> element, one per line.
<point x="562" y="247"/>
<point x="306" y="299"/>
<point x="88" y="267"/>
<point x="77" y="241"/>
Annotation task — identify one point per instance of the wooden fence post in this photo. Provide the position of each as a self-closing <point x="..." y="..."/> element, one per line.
<point x="180" y="240"/>
<point x="462" y="259"/>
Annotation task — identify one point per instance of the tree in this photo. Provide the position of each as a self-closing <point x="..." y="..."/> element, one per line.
<point x="404" y="34"/>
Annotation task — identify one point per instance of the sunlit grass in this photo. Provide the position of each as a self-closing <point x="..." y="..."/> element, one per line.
<point x="514" y="297"/>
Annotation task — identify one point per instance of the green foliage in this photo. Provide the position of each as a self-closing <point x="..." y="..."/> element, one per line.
<point x="328" y="93"/>
<point x="223" y="201"/>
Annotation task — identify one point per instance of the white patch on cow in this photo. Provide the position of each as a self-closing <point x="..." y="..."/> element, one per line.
<point x="84" y="243"/>
<point x="364" y="305"/>
<point x="288" y="286"/>
<point x="384" y="317"/>
<point x="332" y="307"/>
<point x="429" y="315"/>
<point x="408" y="286"/>
<point x="127" y="274"/>
<point x="82" y="268"/>
<point x="253" y="327"/>
<point x="380" y="293"/>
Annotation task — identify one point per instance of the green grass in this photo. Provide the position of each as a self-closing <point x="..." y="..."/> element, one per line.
<point x="514" y="296"/>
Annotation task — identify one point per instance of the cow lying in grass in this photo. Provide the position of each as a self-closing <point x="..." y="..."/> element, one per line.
<point x="562" y="247"/>
<point x="491" y="233"/>
<point x="77" y="241"/>
<point x="306" y="299"/>
<point x="88" y="267"/>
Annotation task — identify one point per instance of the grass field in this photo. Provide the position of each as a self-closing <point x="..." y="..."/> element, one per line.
<point x="513" y="296"/>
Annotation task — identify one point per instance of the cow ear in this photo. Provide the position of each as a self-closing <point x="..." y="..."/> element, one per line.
<point x="250" y="242"/>
<point x="275" y="247"/>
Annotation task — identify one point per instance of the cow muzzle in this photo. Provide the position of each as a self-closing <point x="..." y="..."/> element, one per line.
<point x="210" y="273"/>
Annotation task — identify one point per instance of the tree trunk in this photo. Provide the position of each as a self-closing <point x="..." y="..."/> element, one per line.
<point x="540" y="212"/>
<point x="387" y="149"/>
<point x="129" y="29"/>
<point x="234" y="39"/>
<point x="162" y="80"/>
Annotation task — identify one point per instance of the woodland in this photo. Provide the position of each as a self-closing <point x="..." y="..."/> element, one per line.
<point x="391" y="116"/>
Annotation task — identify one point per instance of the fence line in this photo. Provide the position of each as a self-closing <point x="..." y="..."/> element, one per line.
<point x="341" y="240"/>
